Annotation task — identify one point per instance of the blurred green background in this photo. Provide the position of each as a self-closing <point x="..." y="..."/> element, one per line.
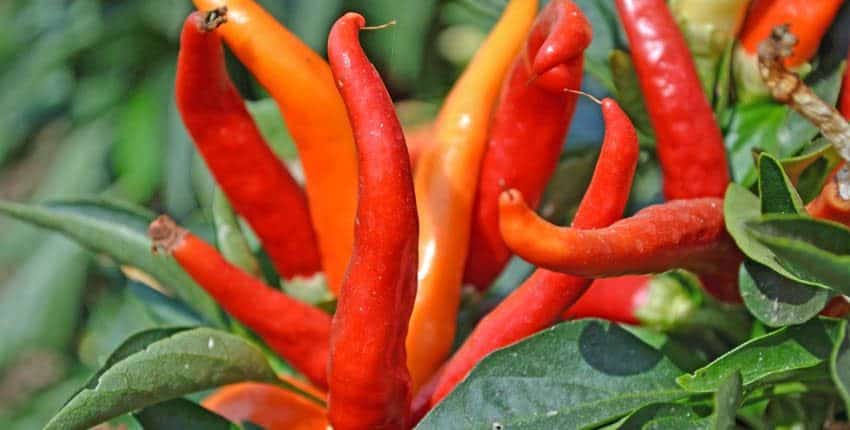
<point x="86" y="108"/>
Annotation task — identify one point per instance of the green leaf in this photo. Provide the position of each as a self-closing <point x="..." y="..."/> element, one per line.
<point x="40" y="303"/>
<point x="157" y="365"/>
<point x="181" y="414"/>
<point x="119" y="231"/>
<point x="739" y="208"/>
<point x="778" y="301"/>
<point x="727" y="399"/>
<point x="657" y="413"/>
<point x="815" y="250"/>
<point x="574" y="375"/>
<point x="229" y="237"/>
<point x="767" y="357"/>
<point x="776" y="192"/>
<point x="839" y="364"/>
<point x="606" y="36"/>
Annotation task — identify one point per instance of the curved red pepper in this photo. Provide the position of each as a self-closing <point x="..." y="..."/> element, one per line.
<point x="540" y="300"/>
<point x="688" y="140"/>
<point x="528" y="128"/>
<point x="255" y="181"/>
<point x="295" y="330"/>
<point x="688" y="234"/>
<point x="613" y="299"/>
<point x="369" y="381"/>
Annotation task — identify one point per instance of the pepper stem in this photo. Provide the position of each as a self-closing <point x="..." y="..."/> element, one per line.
<point x="213" y="18"/>
<point x="787" y="87"/>
<point x="582" y="93"/>
<point x="165" y="234"/>
<point x="380" y="27"/>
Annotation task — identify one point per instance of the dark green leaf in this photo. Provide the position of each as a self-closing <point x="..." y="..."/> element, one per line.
<point x="639" y="419"/>
<point x="181" y="414"/>
<point x="776" y="192"/>
<point x="839" y="364"/>
<point x="575" y="375"/>
<point x="727" y="399"/>
<point x="740" y="207"/>
<point x="120" y="232"/>
<point x="158" y="365"/>
<point x="770" y="356"/>
<point x="778" y="301"/>
<point x="814" y="250"/>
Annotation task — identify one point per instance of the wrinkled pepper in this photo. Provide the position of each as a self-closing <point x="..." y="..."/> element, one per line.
<point x="528" y="129"/>
<point x="295" y="330"/>
<point x="255" y="181"/>
<point x="688" y="140"/>
<point x="445" y="181"/>
<point x="269" y="406"/>
<point x="688" y="234"/>
<point x="369" y="380"/>
<point x="541" y="299"/>
<point x="301" y="83"/>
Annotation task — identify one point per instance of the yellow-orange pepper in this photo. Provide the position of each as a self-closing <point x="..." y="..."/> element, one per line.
<point x="445" y="181"/>
<point x="270" y="406"/>
<point x="301" y="83"/>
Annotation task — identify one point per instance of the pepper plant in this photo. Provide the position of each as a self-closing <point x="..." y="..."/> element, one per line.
<point x="682" y="262"/>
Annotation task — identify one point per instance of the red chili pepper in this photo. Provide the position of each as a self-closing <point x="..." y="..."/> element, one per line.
<point x="541" y="299"/>
<point x="528" y="129"/>
<point x="838" y="307"/>
<point x="613" y="299"/>
<point x="370" y="384"/>
<point x="688" y="140"/>
<point x="688" y="234"/>
<point x="255" y="181"/>
<point x="829" y="204"/>
<point x="295" y="330"/>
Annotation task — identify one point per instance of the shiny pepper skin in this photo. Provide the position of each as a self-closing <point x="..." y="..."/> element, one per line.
<point x="445" y="180"/>
<point x="300" y="81"/>
<point x="688" y="140"/>
<point x="255" y="181"/>
<point x="295" y="330"/>
<point x="527" y="130"/>
<point x="540" y="300"/>
<point x="369" y="380"/>
<point x="613" y="299"/>
<point x="272" y="407"/>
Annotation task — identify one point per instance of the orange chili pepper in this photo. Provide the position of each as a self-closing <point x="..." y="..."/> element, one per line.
<point x="809" y="21"/>
<point x="269" y="406"/>
<point x="301" y="83"/>
<point x="445" y="181"/>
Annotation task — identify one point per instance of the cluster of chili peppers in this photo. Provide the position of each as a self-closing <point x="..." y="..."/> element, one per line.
<point x="397" y="227"/>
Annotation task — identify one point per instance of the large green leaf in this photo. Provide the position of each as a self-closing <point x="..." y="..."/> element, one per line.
<point x="158" y="365"/>
<point x="778" y="301"/>
<point x="839" y="364"/>
<point x="814" y="250"/>
<point x="770" y="356"/>
<point x="181" y="414"/>
<point x="575" y="375"/>
<point x="119" y="231"/>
